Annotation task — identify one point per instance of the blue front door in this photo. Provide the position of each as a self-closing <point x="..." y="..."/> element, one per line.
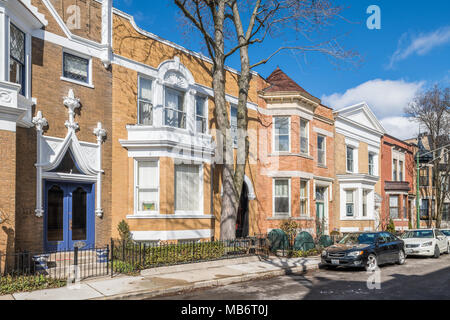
<point x="69" y="215"/>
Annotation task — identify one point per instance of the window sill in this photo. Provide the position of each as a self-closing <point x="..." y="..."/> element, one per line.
<point x="356" y="219"/>
<point x="280" y="217"/>
<point x="88" y="85"/>
<point x="290" y="154"/>
<point x="322" y="166"/>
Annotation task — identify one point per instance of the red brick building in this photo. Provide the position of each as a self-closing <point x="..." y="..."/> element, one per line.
<point x="397" y="179"/>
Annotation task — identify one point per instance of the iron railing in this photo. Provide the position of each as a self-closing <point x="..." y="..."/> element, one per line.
<point x="80" y="263"/>
<point x="128" y="256"/>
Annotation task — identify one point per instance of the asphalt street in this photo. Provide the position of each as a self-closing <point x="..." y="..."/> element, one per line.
<point x="419" y="278"/>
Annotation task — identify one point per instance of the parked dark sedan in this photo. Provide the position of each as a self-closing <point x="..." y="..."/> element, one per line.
<point x="366" y="250"/>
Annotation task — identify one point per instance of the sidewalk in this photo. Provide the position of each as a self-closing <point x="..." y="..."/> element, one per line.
<point x="173" y="279"/>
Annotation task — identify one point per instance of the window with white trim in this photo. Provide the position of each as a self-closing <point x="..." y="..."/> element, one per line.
<point x="201" y="120"/>
<point x="394" y="170"/>
<point x="321" y="150"/>
<point x="75" y="68"/>
<point x="350" y="203"/>
<point x="303" y="197"/>
<point x="174" y="110"/>
<point x="400" y="170"/>
<point x="147" y="186"/>
<point x="365" y="195"/>
<point x="281" y="134"/>
<point x="281" y="197"/>
<point x="304" y="136"/>
<point x="393" y="207"/>
<point x="17" y="57"/>
<point x="371" y="164"/>
<point x="187" y="188"/>
<point x="350" y="156"/>
<point x="234" y="124"/>
<point x="145" y="105"/>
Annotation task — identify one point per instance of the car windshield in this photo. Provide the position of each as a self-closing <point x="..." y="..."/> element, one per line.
<point x="359" y="238"/>
<point x="418" y="234"/>
<point x="446" y="232"/>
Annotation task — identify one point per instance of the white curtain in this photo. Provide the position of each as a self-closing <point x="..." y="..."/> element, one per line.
<point x="281" y="188"/>
<point x="187" y="187"/>
<point x="145" y="89"/>
<point x="148" y="183"/>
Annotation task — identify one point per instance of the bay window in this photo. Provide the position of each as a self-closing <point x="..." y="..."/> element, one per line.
<point x="400" y="170"/>
<point x="303" y="197"/>
<point x="393" y="207"/>
<point x="394" y="170"/>
<point x="17" y="57"/>
<point x="188" y="188"/>
<point x="281" y="134"/>
<point x="304" y="140"/>
<point x="201" y="120"/>
<point x="281" y="197"/>
<point x="350" y="203"/>
<point x="174" y="110"/>
<point x="147" y="186"/>
<point x="233" y="124"/>
<point x="365" y="195"/>
<point x="145" y="106"/>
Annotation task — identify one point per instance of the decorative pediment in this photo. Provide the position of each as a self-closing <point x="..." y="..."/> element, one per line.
<point x="175" y="78"/>
<point x="362" y="114"/>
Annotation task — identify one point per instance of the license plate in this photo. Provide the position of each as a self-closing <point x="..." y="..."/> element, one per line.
<point x="333" y="261"/>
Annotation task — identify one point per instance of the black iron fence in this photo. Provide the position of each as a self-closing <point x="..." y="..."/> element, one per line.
<point x="129" y="256"/>
<point x="77" y="264"/>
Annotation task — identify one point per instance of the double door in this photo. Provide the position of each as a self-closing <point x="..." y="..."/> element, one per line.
<point x="69" y="215"/>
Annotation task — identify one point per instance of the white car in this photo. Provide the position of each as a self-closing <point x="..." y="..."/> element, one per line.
<point x="425" y="242"/>
<point x="446" y="232"/>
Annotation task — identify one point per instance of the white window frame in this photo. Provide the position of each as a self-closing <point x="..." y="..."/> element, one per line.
<point x="205" y="113"/>
<point x="274" y="135"/>
<point x="235" y="143"/>
<point x="355" y="211"/>
<point x="137" y="212"/>
<point x="275" y="214"/>
<point x="373" y="155"/>
<point x="324" y="150"/>
<point x="307" y="136"/>
<point x="185" y="98"/>
<point x="401" y="171"/>
<point x="140" y="76"/>
<point x="201" y="193"/>
<point x="353" y="158"/>
<point x="28" y="51"/>
<point x="88" y="84"/>
<point x="307" y="214"/>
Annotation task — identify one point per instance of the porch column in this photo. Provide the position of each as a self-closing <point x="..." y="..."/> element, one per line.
<point x="40" y="122"/>
<point x="100" y="133"/>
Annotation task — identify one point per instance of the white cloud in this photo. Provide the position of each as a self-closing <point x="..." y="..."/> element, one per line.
<point x="387" y="99"/>
<point x="384" y="97"/>
<point x="420" y="44"/>
<point x="400" y="127"/>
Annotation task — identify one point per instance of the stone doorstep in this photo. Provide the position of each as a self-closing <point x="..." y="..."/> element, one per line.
<point x="212" y="283"/>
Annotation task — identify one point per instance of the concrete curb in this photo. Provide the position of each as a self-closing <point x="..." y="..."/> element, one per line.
<point x="140" y="295"/>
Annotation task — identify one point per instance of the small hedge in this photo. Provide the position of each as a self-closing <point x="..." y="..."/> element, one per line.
<point x="137" y="256"/>
<point x="304" y="254"/>
<point x="9" y="284"/>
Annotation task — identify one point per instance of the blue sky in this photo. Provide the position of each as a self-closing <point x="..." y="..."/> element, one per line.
<point x="410" y="52"/>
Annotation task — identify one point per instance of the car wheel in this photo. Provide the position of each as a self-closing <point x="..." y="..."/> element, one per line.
<point x="448" y="249"/>
<point x="372" y="262"/>
<point x="401" y="257"/>
<point x="437" y="253"/>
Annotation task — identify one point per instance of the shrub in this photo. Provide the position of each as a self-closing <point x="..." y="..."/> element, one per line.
<point x="304" y="254"/>
<point x="391" y="226"/>
<point x="124" y="231"/>
<point x="9" y="284"/>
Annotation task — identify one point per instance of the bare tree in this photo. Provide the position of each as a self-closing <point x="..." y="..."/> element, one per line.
<point x="432" y="110"/>
<point x="228" y="27"/>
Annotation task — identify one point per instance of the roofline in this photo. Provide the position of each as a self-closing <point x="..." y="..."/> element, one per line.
<point x="395" y="138"/>
<point x="171" y="43"/>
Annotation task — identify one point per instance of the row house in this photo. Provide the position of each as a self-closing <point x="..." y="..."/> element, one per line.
<point x="397" y="183"/>
<point x="296" y="158"/>
<point x="55" y="111"/>
<point x="422" y="149"/>
<point x="358" y="136"/>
